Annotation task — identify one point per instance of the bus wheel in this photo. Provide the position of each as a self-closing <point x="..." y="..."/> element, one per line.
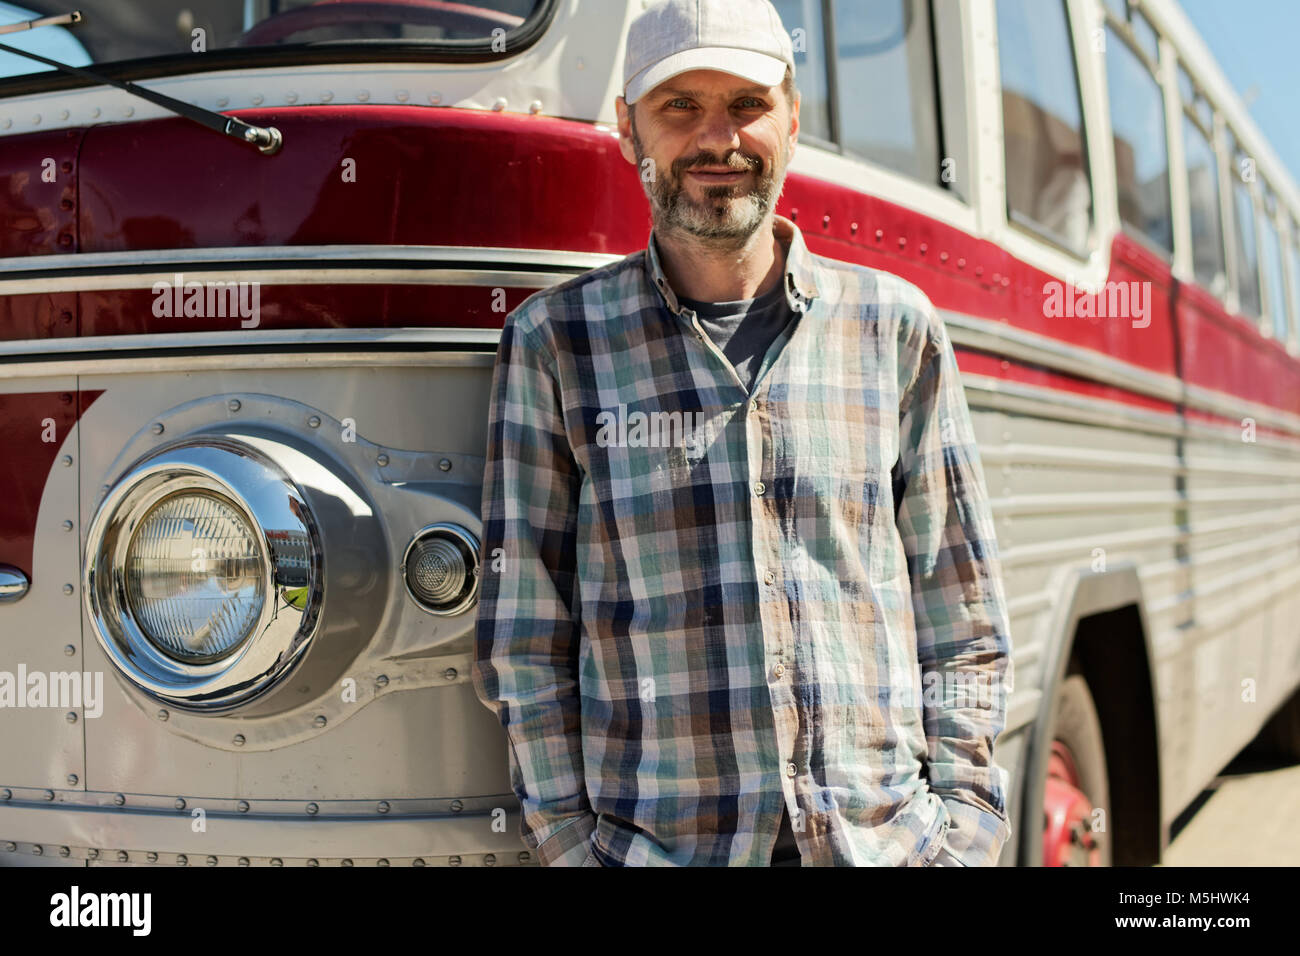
<point x="1076" y="786"/>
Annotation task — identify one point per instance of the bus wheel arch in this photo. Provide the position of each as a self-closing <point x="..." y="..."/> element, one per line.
<point x="1098" y="660"/>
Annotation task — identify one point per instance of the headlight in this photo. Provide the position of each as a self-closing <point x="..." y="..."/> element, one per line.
<point x="203" y="577"/>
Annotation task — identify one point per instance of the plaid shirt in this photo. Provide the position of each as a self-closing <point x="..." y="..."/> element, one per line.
<point x="700" y="605"/>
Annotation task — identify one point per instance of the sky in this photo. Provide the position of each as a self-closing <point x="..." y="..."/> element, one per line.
<point x="1255" y="43"/>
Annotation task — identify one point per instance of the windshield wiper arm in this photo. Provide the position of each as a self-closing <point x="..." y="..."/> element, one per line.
<point x="266" y="138"/>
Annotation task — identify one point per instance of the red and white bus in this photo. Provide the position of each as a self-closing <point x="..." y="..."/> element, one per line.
<point x="244" y="383"/>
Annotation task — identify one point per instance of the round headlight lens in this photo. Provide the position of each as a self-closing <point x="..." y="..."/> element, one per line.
<point x="195" y="577"/>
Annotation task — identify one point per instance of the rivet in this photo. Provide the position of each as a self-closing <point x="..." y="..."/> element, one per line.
<point x="943" y="257"/>
<point x="499" y="104"/>
<point x="453" y="861"/>
<point x="118" y="799"/>
<point x="826" y="220"/>
<point x="382" y="461"/>
<point x="312" y="808"/>
<point x="457" y="806"/>
<point x="979" y="270"/>
<point x="223" y="102"/>
<point x="157" y="428"/>
<point x="996" y="278"/>
<point x="1006" y="281"/>
<point x="70" y="716"/>
<point x="36" y="119"/>
<point x="67" y="526"/>
<point x="880" y="234"/>
<point x="122" y="856"/>
<point x="961" y="263"/>
<point x="418" y="861"/>
<point x="49" y="794"/>
<point x="490" y="859"/>
<point x="129" y="111"/>
<point x="363" y="95"/>
<point x="383" y="807"/>
<point x="291" y="97"/>
<point x="211" y="861"/>
<point x="38" y="850"/>
<point x="69" y="650"/>
<point x="320" y="720"/>
<point x="243" y="861"/>
<point x="345" y="862"/>
<point x="524" y="857"/>
<point x="381" y="862"/>
<point x="151" y="856"/>
<point x="67" y="589"/>
<point x="182" y="859"/>
<point x="314" y="421"/>
<point x="94" y="113"/>
<point x="381" y="680"/>
<point x="923" y="248"/>
<point x="257" y="99"/>
<point x="6" y="794"/>
<point x="445" y="464"/>
<point x="435" y="98"/>
<point x="238" y="740"/>
<point x="66" y="461"/>
<point x="276" y="861"/>
<point x="902" y="242"/>
<point x="449" y="673"/>
<point x="233" y="405"/>
<point x="10" y="845"/>
<point x="63" y="114"/>
<point x="794" y="215"/>
<point x="93" y="854"/>
<point x="313" y="863"/>
<point x="535" y="107"/>
<point x="402" y="96"/>
<point x="72" y="780"/>
<point x="6" y="124"/>
<point x="65" y="851"/>
<point x="242" y="806"/>
<point x="853" y="228"/>
<point x="180" y="803"/>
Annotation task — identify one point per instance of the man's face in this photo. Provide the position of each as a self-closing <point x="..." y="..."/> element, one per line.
<point x="719" y="147"/>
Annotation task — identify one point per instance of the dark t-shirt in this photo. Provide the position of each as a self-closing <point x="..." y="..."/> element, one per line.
<point x="744" y="329"/>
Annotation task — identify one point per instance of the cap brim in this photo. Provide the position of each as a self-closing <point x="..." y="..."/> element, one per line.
<point x="749" y="65"/>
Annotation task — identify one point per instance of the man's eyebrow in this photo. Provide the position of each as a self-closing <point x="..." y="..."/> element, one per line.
<point x="671" y="91"/>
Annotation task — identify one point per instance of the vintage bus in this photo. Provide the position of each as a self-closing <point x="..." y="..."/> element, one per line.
<point x="244" y="384"/>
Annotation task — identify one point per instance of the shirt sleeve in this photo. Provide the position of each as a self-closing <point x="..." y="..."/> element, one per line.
<point x="962" y="630"/>
<point x="528" y="627"/>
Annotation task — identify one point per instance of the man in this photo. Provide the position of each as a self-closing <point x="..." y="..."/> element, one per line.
<point x="742" y="578"/>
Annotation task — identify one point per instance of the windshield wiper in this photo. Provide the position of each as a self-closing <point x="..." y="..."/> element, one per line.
<point x="266" y="138"/>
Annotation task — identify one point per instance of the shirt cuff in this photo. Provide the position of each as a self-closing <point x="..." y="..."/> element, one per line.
<point x="568" y="845"/>
<point x="975" y="836"/>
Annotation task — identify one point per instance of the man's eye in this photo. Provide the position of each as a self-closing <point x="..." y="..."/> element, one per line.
<point x="750" y="102"/>
<point x="679" y="103"/>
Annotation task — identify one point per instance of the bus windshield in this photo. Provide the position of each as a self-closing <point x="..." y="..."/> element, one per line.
<point x="118" y="31"/>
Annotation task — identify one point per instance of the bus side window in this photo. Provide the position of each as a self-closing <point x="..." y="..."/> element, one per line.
<point x="1248" y="295"/>
<point x="885" y="85"/>
<point x="1137" y="119"/>
<point x="1203" y="192"/>
<point x="1047" y="183"/>
<point x="1271" y="260"/>
<point x="803" y="19"/>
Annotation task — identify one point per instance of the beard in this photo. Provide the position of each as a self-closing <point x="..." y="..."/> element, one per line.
<point x="727" y="214"/>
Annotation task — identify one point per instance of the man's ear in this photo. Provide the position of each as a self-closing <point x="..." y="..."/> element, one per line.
<point x="794" y="122"/>
<point x="625" y="130"/>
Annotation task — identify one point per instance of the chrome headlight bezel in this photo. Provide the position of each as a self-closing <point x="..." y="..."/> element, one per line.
<point x="291" y="554"/>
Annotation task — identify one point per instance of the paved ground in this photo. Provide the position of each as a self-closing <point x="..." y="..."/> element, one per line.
<point x="1248" y="816"/>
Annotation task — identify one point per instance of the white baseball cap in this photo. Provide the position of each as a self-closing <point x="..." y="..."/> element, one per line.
<point x="744" y="37"/>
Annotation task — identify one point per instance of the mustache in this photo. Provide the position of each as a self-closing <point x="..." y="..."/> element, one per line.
<point x="737" y="161"/>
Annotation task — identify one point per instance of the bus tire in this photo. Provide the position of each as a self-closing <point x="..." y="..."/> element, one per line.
<point x="1077" y="786"/>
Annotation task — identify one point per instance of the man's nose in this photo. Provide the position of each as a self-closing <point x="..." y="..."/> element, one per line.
<point x="719" y="133"/>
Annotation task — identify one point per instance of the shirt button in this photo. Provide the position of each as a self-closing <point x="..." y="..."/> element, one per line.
<point x="753" y="405"/>
<point x="759" y="487"/>
<point x="769" y="578"/>
<point x="778" y="670"/>
<point x="790" y="770"/>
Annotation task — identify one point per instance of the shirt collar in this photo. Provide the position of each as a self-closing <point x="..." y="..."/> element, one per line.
<point x="800" y="269"/>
